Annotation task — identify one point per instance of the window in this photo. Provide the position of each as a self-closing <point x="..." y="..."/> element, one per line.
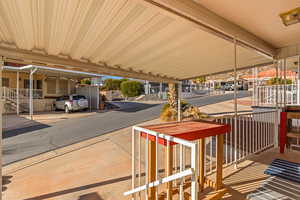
<point x="63" y="86"/>
<point x="78" y="97"/>
<point x="51" y="86"/>
<point x="26" y="83"/>
<point x="39" y="84"/>
<point x="5" y="82"/>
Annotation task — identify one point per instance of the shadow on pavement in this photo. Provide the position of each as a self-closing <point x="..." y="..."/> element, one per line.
<point x="90" y="196"/>
<point x="5" y="181"/>
<point x="130" y="107"/>
<point x="76" y="189"/>
<point x="20" y="131"/>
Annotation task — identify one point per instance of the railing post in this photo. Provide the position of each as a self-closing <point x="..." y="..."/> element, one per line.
<point x="194" y="166"/>
<point x="133" y="170"/>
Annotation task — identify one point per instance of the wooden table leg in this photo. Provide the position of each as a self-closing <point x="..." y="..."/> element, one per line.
<point x="219" y="172"/>
<point x="151" y="168"/>
<point x="201" y="146"/>
<point x="169" y="169"/>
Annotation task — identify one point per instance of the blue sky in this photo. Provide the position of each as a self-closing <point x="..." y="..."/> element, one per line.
<point x="113" y="77"/>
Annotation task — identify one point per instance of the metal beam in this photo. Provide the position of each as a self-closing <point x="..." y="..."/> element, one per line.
<point x="29" y="57"/>
<point x="209" y="21"/>
<point x="289" y="51"/>
<point x="231" y="70"/>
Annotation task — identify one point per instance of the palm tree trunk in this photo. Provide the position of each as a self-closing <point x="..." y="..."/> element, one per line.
<point x="173" y="96"/>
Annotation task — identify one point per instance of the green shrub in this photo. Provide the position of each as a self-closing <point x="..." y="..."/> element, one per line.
<point x="131" y="88"/>
<point x="85" y="81"/>
<point x="273" y="81"/>
<point x="113" y="84"/>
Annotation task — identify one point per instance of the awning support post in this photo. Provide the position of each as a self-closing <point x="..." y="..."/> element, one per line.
<point x="235" y="105"/>
<point x="276" y="65"/>
<point x="1" y="111"/>
<point x="18" y="93"/>
<point x="284" y="86"/>
<point x="32" y="71"/>
<point x="298" y="82"/>
<point x="179" y="114"/>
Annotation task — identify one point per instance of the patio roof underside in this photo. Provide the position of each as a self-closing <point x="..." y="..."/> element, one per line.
<point x="129" y="38"/>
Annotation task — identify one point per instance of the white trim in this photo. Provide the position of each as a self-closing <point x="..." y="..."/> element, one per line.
<point x="173" y="177"/>
<point x="166" y="137"/>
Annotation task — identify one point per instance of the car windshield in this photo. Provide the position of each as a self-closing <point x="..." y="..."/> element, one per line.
<point x="78" y="97"/>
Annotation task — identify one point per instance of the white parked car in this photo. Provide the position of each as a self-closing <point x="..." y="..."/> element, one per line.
<point x="70" y="103"/>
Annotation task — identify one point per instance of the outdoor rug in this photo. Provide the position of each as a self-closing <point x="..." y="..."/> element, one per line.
<point x="275" y="188"/>
<point x="284" y="169"/>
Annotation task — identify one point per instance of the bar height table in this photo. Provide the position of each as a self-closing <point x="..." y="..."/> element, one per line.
<point x="187" y="130"/>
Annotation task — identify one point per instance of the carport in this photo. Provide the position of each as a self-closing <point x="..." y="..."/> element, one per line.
<point x="155" y="40"/>
<point x="57" y="73"/>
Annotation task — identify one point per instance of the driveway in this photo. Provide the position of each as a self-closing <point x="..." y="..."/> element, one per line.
<point x="63" y="133"/>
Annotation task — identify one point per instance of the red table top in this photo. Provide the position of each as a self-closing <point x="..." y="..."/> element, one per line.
<point x="188" y="130"/>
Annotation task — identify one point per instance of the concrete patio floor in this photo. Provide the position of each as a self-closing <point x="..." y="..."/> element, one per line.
<point x="95" y="169"/>
<point x="100" y="168"/>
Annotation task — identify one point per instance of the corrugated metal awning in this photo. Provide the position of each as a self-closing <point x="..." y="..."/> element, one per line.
<point x="115" y="37"/>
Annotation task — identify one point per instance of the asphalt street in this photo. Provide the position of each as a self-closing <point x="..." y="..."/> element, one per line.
<point x="46" y="138"/>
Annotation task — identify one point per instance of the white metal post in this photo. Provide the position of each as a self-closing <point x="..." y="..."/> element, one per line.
<point x="18" y="93"/>
<point x="277" y="108"/>
<point x="235" y="104"/>
<point x="256" y="88"/>
<point x="90" y="95"/>
<point x="194" y="165"/>
<point x="284" y="86"/>
<point x="133" y="170"/>
<point x="179" y="102"/>
<point x="1" y="110"/>
<point x="30" y="94"/>
<point x="298" y="82"/>
<point x="32" y="71"/>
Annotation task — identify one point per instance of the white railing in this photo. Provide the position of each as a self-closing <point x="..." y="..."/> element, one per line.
<point x="11" y="93"/>
<point x="266" y="95"/>
<point x="255" y="132"/>
<point x="187" y="167"/>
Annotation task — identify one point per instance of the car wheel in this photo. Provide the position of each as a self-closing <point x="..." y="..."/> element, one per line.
<point x="67" y="110"/>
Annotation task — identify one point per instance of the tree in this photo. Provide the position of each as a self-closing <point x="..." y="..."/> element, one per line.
<point x="85" y="81"/>
<point x="113" y="84"/>
<point x="172" y="96"/>
<point x="131" y="88"/>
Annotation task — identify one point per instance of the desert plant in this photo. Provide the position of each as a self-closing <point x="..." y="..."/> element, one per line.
<point x="188" y="112"/>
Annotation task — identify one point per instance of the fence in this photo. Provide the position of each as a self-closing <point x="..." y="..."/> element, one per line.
<point x="266" y="95"/>
<point x="138" y="188"/>
<point x="255" y="132"/>
<point x="11" y="93"/>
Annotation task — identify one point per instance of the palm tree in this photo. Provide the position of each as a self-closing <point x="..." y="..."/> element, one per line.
<point x="173" y="96"/>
